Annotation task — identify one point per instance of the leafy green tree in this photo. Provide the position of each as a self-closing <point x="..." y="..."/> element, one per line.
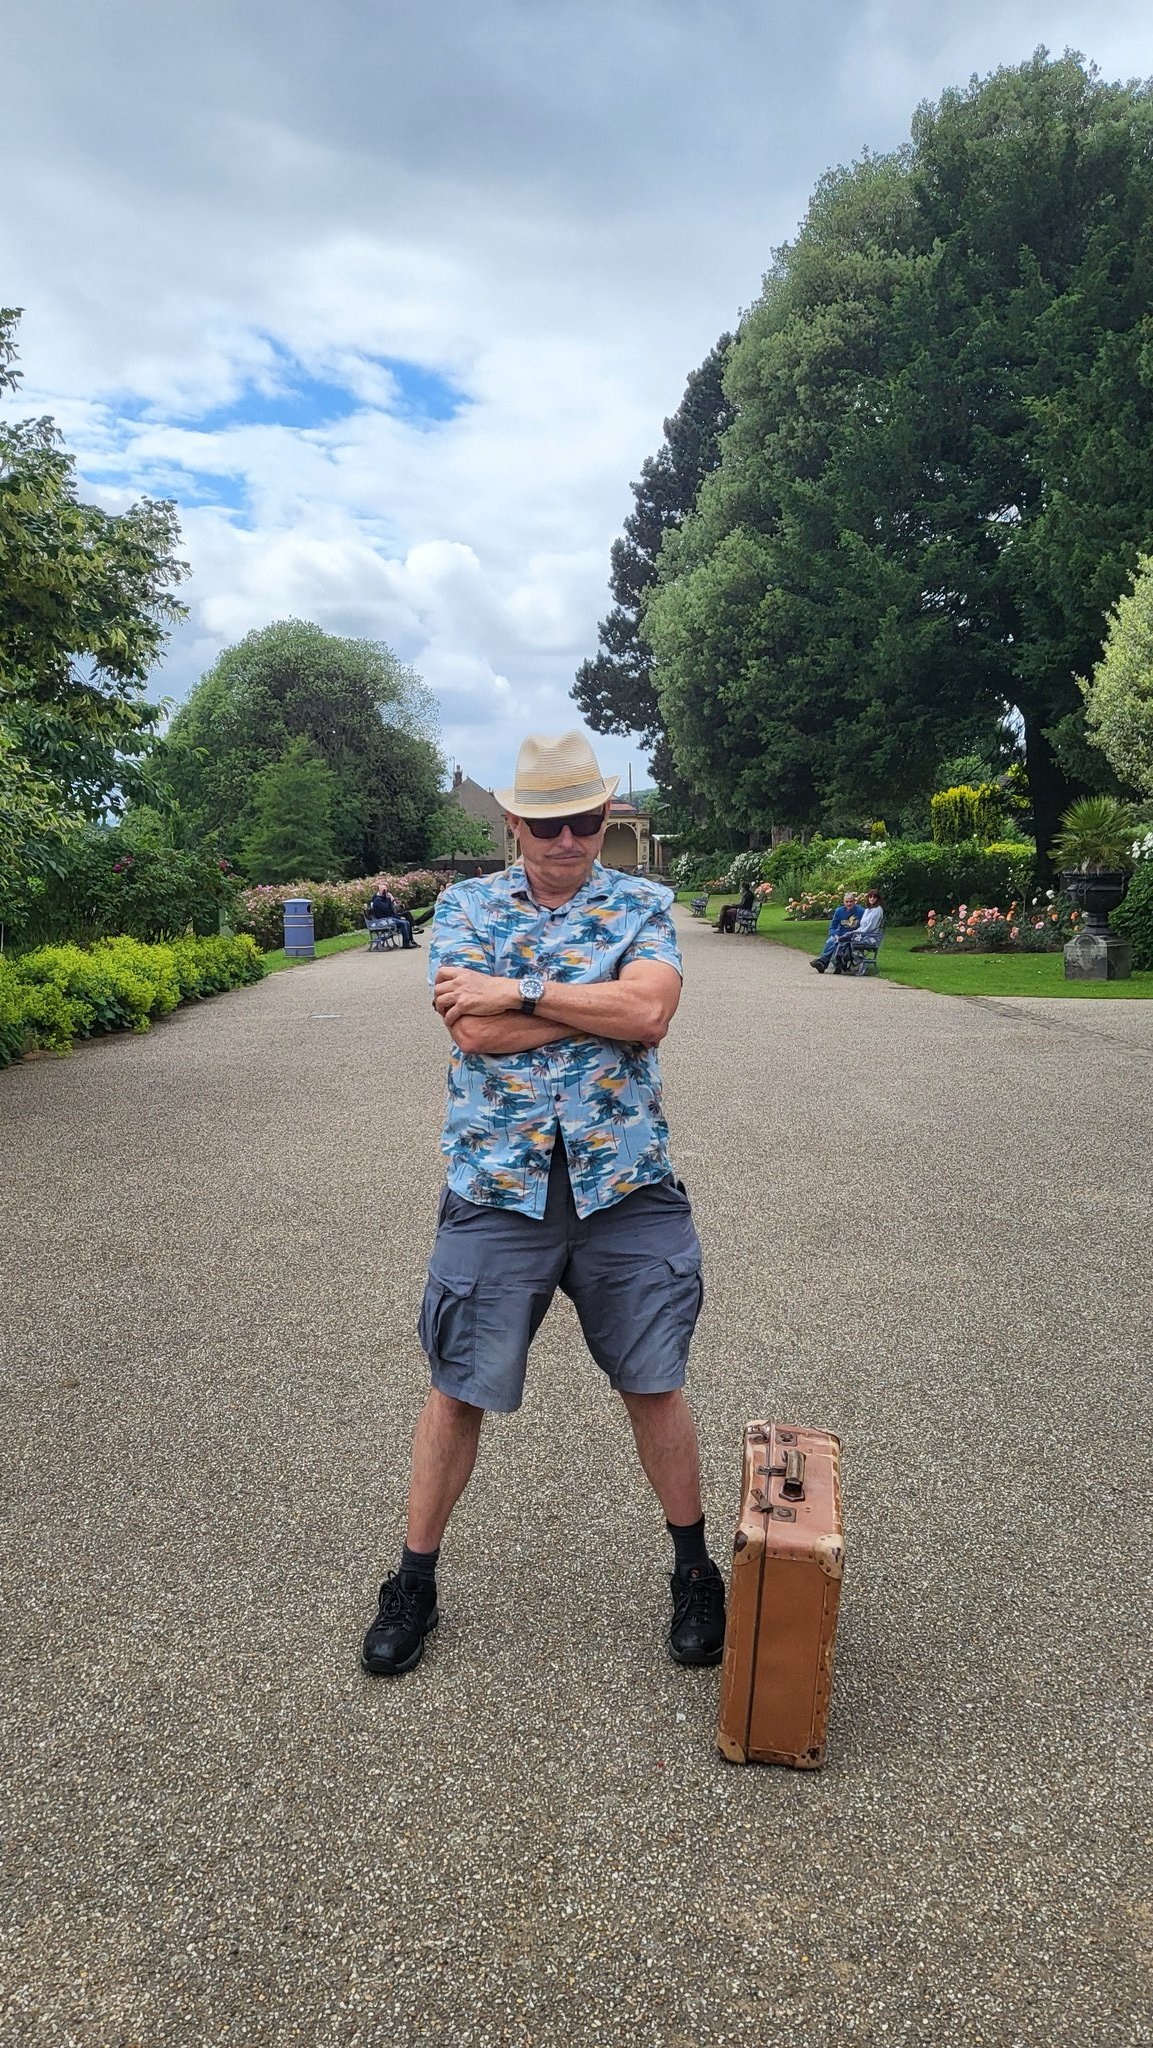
<point x="106" y="881"/>
<point x="85" y="597"/>
<point x="291" y="837"/>
<point x="936" y="479"/>
<point x="1119" y="694"/>
<point x="35" y="826"/>
<point x="452" y="833"/>
<point x="367" y="715"/>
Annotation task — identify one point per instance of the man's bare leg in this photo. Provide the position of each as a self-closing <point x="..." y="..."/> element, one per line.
<point x="443" y="1455"/>
<point x="666" y="1440"/>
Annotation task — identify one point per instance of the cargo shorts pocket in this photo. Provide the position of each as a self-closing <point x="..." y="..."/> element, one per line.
<point x="447" y="1325"/>
<point x="686" y="1288"/>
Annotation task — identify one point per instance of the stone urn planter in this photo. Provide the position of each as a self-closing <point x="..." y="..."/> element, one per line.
<point x="1095" y="842"/>
<point x="1096" y="954"/>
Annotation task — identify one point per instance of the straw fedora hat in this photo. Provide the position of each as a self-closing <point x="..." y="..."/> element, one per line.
<point x="556" y="778"/>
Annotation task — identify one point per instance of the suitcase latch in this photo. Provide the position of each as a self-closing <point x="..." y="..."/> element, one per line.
<point x="791" y="1474"/>
<point x="764" y="1505"/>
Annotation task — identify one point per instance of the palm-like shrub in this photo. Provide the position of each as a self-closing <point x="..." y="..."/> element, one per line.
<point x="1096" y="832"/>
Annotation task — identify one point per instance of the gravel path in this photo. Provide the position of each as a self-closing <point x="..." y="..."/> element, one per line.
<point x="925" y="1226"/>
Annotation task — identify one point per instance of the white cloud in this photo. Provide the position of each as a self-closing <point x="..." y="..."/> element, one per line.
<point x="556" y="209"/>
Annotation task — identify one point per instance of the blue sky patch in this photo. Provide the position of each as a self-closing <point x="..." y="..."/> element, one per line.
<point x="290" y="396"/>
<point x="424" y="395"/>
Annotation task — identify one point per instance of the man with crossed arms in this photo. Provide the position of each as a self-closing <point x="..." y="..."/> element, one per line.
<point x="557" y="980"/>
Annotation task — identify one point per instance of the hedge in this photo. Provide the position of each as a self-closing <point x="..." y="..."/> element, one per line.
<point x="51" y="997"/>
<point x="915" y="877"/>
<point x="1134" y="919"/>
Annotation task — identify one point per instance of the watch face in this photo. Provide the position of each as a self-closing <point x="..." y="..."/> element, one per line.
<point x="532" y="986"/>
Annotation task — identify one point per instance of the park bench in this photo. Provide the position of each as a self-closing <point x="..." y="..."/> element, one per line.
<point x="383" y="932"/>
<point x="746" y="920"/>
<point x="699" y="906"/>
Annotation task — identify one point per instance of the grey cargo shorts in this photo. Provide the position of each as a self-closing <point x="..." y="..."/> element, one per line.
<point x="632" y="1272"/>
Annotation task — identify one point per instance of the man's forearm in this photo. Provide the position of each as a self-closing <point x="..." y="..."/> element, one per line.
<point x="507" y="1033"/>
<point x="606" y="1009"/>
<point x="635" y="1008"/>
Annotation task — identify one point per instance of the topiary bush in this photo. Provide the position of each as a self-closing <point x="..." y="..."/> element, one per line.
<point x="968" y="811"/>
<point x="1134" y="919"/>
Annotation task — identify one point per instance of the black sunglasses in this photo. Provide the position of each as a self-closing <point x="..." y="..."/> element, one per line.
<point x="585" y="825"/>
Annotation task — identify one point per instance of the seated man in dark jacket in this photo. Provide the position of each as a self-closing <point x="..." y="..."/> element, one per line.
<point x="727" y="921"/>
<point x="383" y="904"/>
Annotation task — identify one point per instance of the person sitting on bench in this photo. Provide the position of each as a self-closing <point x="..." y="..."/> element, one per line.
<point x="871" y="930"/>
<point x="845" y="919"/>
<point x="727" y="921"/>
<point x="383" y="904"/>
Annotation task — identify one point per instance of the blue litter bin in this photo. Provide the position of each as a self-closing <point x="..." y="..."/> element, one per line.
<point x="299" y="932"/>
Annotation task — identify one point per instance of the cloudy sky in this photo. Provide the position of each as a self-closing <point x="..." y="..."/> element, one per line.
<point x="393" y="299"/>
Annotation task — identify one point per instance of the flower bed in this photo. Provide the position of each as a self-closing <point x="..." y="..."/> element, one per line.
<point x="1042" y="926"/>
<point x="821" y="903"/>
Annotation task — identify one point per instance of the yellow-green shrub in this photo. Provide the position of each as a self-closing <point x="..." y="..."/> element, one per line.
<point x="967" y="812"/>
<point x="57" y="994"/>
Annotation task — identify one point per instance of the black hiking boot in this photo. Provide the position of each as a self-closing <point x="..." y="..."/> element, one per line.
<point x="697" y="1635"/>
<point x="407" y="1612"/>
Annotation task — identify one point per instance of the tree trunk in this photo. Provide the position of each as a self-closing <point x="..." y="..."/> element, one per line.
<point x="1050" y="791"/>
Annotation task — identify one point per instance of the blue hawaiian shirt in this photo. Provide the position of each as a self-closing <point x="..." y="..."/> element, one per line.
<point x="603" y="1096"/>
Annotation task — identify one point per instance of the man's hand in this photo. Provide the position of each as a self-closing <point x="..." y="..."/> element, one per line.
<point x="466" y="992"/>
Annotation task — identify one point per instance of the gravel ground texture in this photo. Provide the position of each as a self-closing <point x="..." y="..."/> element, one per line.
<point x="925" y="1224"/>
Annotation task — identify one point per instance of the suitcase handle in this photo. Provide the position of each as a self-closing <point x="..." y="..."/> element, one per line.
<point x="793" y="1484"/>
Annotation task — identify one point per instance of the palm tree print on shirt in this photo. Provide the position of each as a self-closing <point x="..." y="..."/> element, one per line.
<point x="602" y="1096"/>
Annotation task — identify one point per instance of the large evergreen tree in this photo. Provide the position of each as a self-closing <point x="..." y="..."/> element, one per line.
<point x="369" y="718"/>
<point x="938" y="474"/>
<point x="290" y="839"/>
<point x="615" y="690"/>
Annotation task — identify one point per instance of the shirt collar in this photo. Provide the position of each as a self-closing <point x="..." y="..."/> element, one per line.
<point x="597" y="887"/>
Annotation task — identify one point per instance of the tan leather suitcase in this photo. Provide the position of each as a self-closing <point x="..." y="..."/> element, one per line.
<point x="784" y="1592"/>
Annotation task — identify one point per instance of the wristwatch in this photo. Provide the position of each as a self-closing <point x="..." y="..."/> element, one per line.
<point x="531" y="991"/>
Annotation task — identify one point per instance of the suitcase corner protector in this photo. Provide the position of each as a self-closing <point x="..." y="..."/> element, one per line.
<point x="734" y="1752"/>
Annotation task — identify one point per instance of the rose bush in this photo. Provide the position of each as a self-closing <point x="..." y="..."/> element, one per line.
<point x="1042" y="926"/>
<point x="336" y="906"/>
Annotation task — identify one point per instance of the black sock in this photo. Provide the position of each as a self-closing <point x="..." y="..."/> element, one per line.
<point x="422" y="1563"/>
<point x="688" y="1543"/>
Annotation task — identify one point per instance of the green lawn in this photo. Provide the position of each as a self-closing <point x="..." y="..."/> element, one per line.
<point x="968" y="974"/>
<point x="273" y="962"/>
